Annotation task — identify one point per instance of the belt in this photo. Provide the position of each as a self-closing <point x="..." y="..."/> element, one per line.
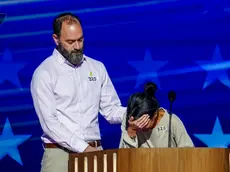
<point x="94" y="144"/>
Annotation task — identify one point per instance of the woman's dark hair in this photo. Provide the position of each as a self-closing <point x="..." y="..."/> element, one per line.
<point x="142" y="103"/>
<point x="150" y="89"/>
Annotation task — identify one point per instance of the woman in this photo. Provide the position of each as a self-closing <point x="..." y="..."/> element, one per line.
<point x="154" y="131"/>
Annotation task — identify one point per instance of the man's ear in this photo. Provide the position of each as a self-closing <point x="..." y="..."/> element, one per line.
<point x="55" y="38"/>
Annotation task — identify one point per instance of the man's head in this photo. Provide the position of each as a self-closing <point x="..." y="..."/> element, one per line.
<point x="68" y="36"/>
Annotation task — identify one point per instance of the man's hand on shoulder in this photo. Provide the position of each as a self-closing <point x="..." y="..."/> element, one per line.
<point x="90" y="149"/>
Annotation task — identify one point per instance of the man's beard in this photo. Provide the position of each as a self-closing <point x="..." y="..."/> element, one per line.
<point x="74" y="57"/>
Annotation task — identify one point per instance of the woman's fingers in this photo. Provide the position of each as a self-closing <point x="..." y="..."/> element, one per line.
<point x="142" y="121"/>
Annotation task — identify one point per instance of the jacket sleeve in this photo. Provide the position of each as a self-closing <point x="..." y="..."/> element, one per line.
<point x="126" y="141"/>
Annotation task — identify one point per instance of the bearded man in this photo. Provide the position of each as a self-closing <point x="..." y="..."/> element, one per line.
<point x="69" y="89"/>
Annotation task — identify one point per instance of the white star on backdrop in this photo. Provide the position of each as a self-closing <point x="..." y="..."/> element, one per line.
<point x="9" y="69"/>
<point x="218" y="71"/>
<point x="217" y="138"/>
<point x="147" y="69"/>
<point x="9" y="143"/>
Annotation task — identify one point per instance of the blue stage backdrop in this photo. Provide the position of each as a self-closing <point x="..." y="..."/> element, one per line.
<point x="181" y="45"/>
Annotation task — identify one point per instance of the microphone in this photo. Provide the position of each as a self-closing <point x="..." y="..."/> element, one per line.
<point x="172" y="98"/>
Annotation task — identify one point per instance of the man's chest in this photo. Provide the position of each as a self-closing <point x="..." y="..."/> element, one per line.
<point x="78" y="85"/>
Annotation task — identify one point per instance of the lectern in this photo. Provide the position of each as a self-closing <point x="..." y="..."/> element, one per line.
<point x="152" y="160"/>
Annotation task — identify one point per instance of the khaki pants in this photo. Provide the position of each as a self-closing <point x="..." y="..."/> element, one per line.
<point x="55" y="160"/>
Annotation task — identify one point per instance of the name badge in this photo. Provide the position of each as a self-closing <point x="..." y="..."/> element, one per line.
<point x="161" y="128"/>
<point x="91" y="77"/>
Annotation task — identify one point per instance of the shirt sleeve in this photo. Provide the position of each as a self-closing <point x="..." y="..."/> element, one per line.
<point x="110" y="105"/>
<point x="45" y="107"/>
<point x="180" y="134"/>
<point x="126" y="141"/>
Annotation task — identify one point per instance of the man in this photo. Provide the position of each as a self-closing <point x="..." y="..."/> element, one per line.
<point x="68" y="90"/>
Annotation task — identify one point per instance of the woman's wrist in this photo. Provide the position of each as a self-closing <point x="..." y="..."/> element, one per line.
<point x="131" y="132"/>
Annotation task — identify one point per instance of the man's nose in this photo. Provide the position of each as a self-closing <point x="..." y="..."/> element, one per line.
<point x="76" y="45"/>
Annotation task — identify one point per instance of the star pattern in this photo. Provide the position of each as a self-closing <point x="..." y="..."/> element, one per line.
<point x="9" y="143"/>
<point x="9" y="69"/>
<point x="147" y="69"/>
<point x="217" y="138"/>
<point x="218" y="71"/>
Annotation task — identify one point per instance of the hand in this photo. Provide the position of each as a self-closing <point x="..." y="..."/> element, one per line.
<point x="135" y="125"/>
<point x="140" y="123"/>
<point x="131" y="132"/>
<point x="90" y="149"/>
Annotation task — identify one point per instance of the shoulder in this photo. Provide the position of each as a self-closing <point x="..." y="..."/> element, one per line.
<point x="42" y="71"/>
<point x="177" y="122"/>
<point x="175" y="119"/>
<point x="94" y="62"/>
<point x="97" y="66"/>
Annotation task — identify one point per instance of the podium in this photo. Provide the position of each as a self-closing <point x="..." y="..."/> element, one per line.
<point x="151" y="160"/>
